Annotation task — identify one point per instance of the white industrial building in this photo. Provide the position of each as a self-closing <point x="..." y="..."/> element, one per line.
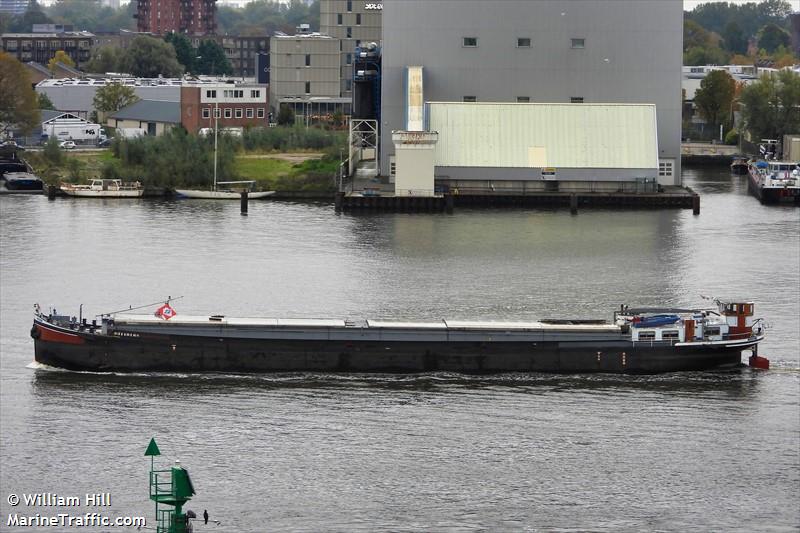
<point x="516" y="86"/>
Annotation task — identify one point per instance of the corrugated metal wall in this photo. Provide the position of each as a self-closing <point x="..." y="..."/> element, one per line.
<point x="544" y="135"/>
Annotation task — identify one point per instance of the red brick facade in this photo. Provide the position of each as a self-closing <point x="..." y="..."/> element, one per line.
<point x="193" y="17"/>
<point x="198" y="103"/>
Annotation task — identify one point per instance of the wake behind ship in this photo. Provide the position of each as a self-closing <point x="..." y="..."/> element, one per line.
<point x="637" y="341"/>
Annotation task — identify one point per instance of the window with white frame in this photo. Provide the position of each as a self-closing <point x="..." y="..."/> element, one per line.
<point x="206" y="112"/>
<point x="666" y="168"/>
<point x="249" y="112"/>
<point x="228" y="112"/>
<point x="237" y="113"/>
<point x="260" y="112"/>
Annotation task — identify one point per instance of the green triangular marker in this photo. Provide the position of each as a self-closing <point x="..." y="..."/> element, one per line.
<point x="152" y="448"/>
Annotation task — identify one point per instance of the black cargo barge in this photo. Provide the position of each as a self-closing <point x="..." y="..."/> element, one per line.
<point x="638" y="341"/>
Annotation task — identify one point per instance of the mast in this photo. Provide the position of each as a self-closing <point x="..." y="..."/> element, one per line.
<point x="216" y="127"/>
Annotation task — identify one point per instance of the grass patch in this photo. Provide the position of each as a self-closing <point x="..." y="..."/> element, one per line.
<point x="314" y="175"/>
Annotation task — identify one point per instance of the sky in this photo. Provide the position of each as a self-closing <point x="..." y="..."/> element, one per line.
<point x="690" y="4"/>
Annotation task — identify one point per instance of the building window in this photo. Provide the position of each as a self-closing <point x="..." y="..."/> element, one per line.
<point x="217" y="113"/>
<point x="469" y="42"/>
<point x="206" y="113"/>
<point x="470" y="99"/>
<point x="228" y="113"/>
<point x="308" y="87"/>
<point x="255" y="93"/>
<point x="239" y="93"/>
<point x="523" y="99"/>
<point x="576" y="99"/>
<point x="579" y="43"/>
<point x="237" y="112"/>
<point x="249" y="113"/>
<point x="308" y="60"/>
<point x="523" y="42"/>
<point x="358" y="19"/>
<point x="348" y="85"/>
<point x="260" y="112"/>
<point x="349" y="59"/>
<point x="349" y="6"/>
<point x="339" y="19"/>
<point x="349" y="32"/>
<point x="665" y="168"/>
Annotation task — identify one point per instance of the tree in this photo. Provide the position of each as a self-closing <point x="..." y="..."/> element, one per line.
<point x="184" y="51"/>
<point x="60" y="57"/>
<point x="149" y="57"/>
<point x="770" y="37"/>
<point x="714" y="98"/>
<point x="212" y="59"/>
<point x="52" y="152"/>
<point x="33" y="15"/>
<point x="286" y="116"/>
<point x="104" y="59"/>
<point x="45" y="102"/>
<point x="113" y="97"/>
<point x="735" y="39"/>
<point x="771" y="106"/>
<point x="698" y="55"/>
<point x="19" y="107"/>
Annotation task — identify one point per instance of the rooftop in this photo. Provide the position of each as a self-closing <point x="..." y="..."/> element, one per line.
<point x="151" y="111"/>
<point x="59" y="35"/>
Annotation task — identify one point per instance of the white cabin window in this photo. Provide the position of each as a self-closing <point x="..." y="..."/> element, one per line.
<point x="666" y="168"/>
<point x="669" y="334"/>
<point x="647" y="335"/>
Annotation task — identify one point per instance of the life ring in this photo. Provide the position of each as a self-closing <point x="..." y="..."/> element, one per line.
<point x="35" y="334"/>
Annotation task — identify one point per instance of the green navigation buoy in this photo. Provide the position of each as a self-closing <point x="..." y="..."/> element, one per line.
<point x="172" y="488"/>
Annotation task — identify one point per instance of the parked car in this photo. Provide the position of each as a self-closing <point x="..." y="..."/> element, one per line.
<point x="67" y="145"/>
<point x="105" y="143"/>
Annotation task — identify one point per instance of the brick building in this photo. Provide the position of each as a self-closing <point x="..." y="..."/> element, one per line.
<point x="237" y="105"/>
<point x="42" y="47"/>
<point x="192" y="17"/>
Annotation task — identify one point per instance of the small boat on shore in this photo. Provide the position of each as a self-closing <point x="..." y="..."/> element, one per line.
<point x="635" y="341"/>
<point x="104" y="188"/>
<point x="775" y="182"/>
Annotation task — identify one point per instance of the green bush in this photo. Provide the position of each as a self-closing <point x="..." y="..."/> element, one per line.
<point x="176" y="159"/>
<point x="284" y="138"/>
<point x="732" y="137"/>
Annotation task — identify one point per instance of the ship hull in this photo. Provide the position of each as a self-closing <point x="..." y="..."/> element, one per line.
<point x="148" y="352"/>
<point x="773" y="195"/>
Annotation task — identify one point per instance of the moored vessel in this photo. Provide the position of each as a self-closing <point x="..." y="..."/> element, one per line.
<point x="775" y="182"/>
<point x="636" y="341"/>
<point x="739" y="166"/>
<point x="104" y="188"/>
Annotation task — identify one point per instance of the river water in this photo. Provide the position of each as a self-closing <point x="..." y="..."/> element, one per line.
<point x="436" y="452"/>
